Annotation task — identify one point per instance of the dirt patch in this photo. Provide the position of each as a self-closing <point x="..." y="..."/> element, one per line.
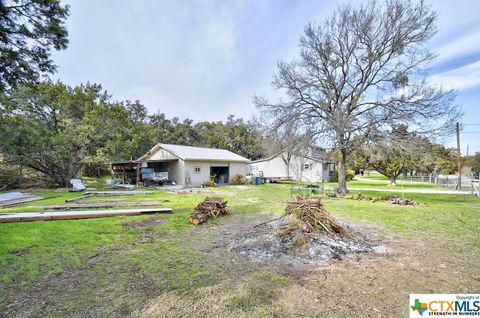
<point x="147" y="223"/>
<point x="101" y="287"/>
<point x="20" y="252"/>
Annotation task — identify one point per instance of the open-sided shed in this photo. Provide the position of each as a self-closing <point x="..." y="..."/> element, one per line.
<point x="185" y="165"/>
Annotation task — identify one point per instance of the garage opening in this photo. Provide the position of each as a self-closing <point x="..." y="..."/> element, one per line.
<point x="219" y="174"/>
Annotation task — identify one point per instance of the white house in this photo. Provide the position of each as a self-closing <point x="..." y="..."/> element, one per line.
<point x="183" y="164"/>
<point x="311" y="167"/>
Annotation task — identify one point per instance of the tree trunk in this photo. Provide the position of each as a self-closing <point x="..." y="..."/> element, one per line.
<point x="342" y="177"/>
<point x="288" y="168"/>
<point x="393" y="181"/>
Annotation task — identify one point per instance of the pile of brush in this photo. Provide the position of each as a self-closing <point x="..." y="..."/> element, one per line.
<point x="309" y="215"/>
<point x="210" y="207"/>
<point x="399" y="201"/>
<point x="362" y="197"/>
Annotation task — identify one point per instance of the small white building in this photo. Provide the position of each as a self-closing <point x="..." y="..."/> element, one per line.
<point x="194" y="166"/>
<point x="301" y="168"/>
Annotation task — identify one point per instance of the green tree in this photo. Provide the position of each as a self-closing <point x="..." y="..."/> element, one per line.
<point x="29" y="29"/>
<point x="473" y="161"/>
<point x="390" y="154"/>
<point x="52" y="128"/>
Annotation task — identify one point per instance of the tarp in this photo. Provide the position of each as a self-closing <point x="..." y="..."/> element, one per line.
<point x="77" y="184"/>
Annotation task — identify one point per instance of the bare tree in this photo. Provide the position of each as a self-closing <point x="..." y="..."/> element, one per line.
<point x="288" y="139"/>
<point x="360" y="72"/>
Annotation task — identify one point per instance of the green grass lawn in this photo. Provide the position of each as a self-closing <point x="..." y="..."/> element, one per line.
<point x="35" y="251"/>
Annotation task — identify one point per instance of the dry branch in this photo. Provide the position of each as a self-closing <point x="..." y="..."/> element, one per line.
<point x="311" y="216"/>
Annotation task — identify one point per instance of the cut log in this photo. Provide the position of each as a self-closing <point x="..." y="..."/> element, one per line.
<point x="210" y="207"/>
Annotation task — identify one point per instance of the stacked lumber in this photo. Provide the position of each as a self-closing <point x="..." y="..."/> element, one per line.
<point x="210" y="207"/>
<point x="309" y="215"/>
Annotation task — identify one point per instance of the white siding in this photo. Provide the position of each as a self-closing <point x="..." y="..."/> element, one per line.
<point x="178" y="172"/>
<point x="197" y="179"/>
<point x="274" y="167"/>
<point x="160" y="154"/>
<point x="238" y="168"/>
<point x="277" y="168"/>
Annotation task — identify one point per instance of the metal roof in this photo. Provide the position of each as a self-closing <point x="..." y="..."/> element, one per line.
<point x="198" y="153"/>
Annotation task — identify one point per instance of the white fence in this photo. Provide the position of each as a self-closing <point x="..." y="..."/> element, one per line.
<point x="447" y="181"/>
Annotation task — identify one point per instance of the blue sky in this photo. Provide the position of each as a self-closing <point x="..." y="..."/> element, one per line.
<point x="207" y="59"/>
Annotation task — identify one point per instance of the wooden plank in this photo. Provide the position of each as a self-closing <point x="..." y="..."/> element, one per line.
<point x="96" y="204"/>
<point x="69" y="215"/>
<point x="118" y="192"/>
<point x="20" y="200"/>
<point x="79" y="198"/>
<point x="113" y="192"/>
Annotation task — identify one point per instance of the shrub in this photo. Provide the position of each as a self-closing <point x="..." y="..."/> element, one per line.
<point x="350" y="174"/>
<point x="237" y="179"/>
<point x="210" y="184"/>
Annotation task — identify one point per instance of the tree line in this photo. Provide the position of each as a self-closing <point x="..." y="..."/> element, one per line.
<point x="56" y="129"/>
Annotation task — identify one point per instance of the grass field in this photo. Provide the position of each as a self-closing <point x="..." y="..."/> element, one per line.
<point x="163" y="266"/>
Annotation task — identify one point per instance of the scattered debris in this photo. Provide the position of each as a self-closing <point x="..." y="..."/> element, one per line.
<point x="14" y="198"/>
<point x="69" y="215"/>
<point x="118" y="184"/>
<point x="210" y="207"/>
<point x="399" y="201"/>
<point x="77" y="185"/>
<point x="389" y="199"/>
<point x="362" y="197"/>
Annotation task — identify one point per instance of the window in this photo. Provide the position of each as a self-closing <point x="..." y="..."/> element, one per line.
<point x="197" y="170"/>
<point x="306" y="166"/>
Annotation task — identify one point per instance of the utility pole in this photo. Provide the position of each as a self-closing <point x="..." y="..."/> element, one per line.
<point x="459" y="158"/>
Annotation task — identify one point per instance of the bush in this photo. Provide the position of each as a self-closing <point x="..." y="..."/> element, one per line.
<point x="237" y="179"/>
<point x="210" y="184"/>
<point x="350" y="174"/>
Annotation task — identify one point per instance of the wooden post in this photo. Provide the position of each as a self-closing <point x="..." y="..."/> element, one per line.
<point x="138" y="174"/>
<point x="459" y="158"/>
<point x="123" y="173"/>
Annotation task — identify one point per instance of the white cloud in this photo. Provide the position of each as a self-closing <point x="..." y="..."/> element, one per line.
<point x="466" y="45"/>
<point x="461" y="78"/>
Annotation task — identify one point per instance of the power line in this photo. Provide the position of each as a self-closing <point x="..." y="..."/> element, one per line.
<point x="470" y="132"/>
<point x="470" y="124"/>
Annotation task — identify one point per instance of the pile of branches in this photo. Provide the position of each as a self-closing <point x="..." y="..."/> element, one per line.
<point x="362" y="197"/>
<point x="397" y="200"/>
<point x="210" y="207"/>
<point x="391" y="199"/>
<point x="309" y="215"/>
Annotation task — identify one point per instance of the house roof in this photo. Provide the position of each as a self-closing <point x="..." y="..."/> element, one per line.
<point x="197" y="153"/>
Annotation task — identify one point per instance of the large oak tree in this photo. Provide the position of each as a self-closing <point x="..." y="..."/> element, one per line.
<point x="361" y="72"/>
